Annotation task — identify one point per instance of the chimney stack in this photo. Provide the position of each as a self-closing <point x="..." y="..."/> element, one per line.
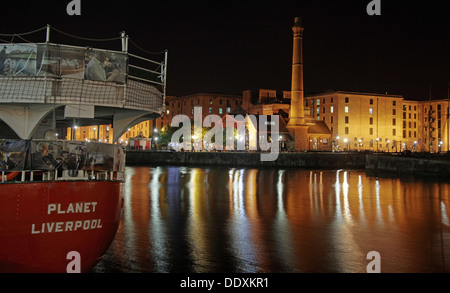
<point x="296" y="116"/>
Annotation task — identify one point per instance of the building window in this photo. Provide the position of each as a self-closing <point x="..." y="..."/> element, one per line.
<point x="394" y="112"/>
<point x="370" y="110"/>
<point x="346" y="130"/>
<point x="371" y="131"/>
<point x="331" y="109"/>
<point x="331" y="100"/>
<point x="404" y="133"/>
<point x="210" y="110"/>
<point x="346" y="119"/>
<point x="318" y="110"/>
<point x="323" y="101"/>
<point x="394" y="103"/>
<point x="346" y="109"/>
<point x="370" y="120"/>
<point x="210" y="102"/>
<point x="318" y="102"/>
<point x="306" y="103"/>
<point x="228" y="109"/>
<point x="393" y="121"/>
<point x="323" y="110"/>
<point x="331" y="119"/>
<point x="394" y="132"/>
<point x="346" y="99"/>
<point x="220" y="110"/>
<point x="404" y="115"/>
<point x="371" y="101"/>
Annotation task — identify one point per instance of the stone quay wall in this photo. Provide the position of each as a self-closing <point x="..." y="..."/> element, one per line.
<point x="247" y="159"/>
<point x="377" y="164"/>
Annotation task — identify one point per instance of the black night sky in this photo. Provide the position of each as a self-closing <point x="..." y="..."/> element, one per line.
<point x="231" y="46"/>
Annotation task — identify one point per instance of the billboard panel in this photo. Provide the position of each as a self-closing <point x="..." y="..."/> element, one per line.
<point x="18" y="59"/>
<point x="61" y="155"/>
<point x="105" y="66"/>
<point x="13" y="154"/>
<point x="60" y="61"/>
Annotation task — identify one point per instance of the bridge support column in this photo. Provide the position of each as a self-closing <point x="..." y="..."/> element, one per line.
<point x="24" y="119"/>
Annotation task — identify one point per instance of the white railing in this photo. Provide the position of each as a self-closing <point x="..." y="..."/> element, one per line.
<point x="84" y="175"/>
<point x="51" y="73"/>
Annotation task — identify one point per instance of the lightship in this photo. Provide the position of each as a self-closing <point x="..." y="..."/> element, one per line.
<point x="59" y="195"/>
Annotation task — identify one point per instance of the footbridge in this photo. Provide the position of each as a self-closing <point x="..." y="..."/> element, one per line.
<point x="46" y="87"/>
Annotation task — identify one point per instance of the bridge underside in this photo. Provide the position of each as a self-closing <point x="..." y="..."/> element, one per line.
<point x="29" y="120"/>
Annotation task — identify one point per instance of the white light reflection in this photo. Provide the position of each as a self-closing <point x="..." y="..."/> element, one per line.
<point x="378" y="204"/>
<point x="361" y="205"/>
<point x="280" y="187"/>
<point x="347" y="213"/>
<point x="343" y="239"/>
<point x="337" y="193"/>
<point x="444" y="216"/>
<point x="239" y="227"/>
<point x="127" y="198"/>
<point x="282" y="229"/>
<point x="316" y="193"/>
<point x="129" y="224"/>
<point x="157" y="232"/>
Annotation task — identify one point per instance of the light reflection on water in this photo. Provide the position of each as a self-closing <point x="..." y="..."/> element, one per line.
<point x="183" y="219"/>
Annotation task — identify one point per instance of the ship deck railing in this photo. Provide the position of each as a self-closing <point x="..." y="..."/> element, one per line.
<point x="59" y="74"/>
<point x="63" y="175"/>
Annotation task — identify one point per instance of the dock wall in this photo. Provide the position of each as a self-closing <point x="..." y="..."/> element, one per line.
<point x="377" y="164"/>
<point x="244" y="159"/>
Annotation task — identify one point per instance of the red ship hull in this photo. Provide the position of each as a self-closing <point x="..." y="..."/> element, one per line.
<point x="42" y="222"/>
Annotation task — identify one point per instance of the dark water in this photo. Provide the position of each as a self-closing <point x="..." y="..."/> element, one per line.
<point x="214" y="220"/>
